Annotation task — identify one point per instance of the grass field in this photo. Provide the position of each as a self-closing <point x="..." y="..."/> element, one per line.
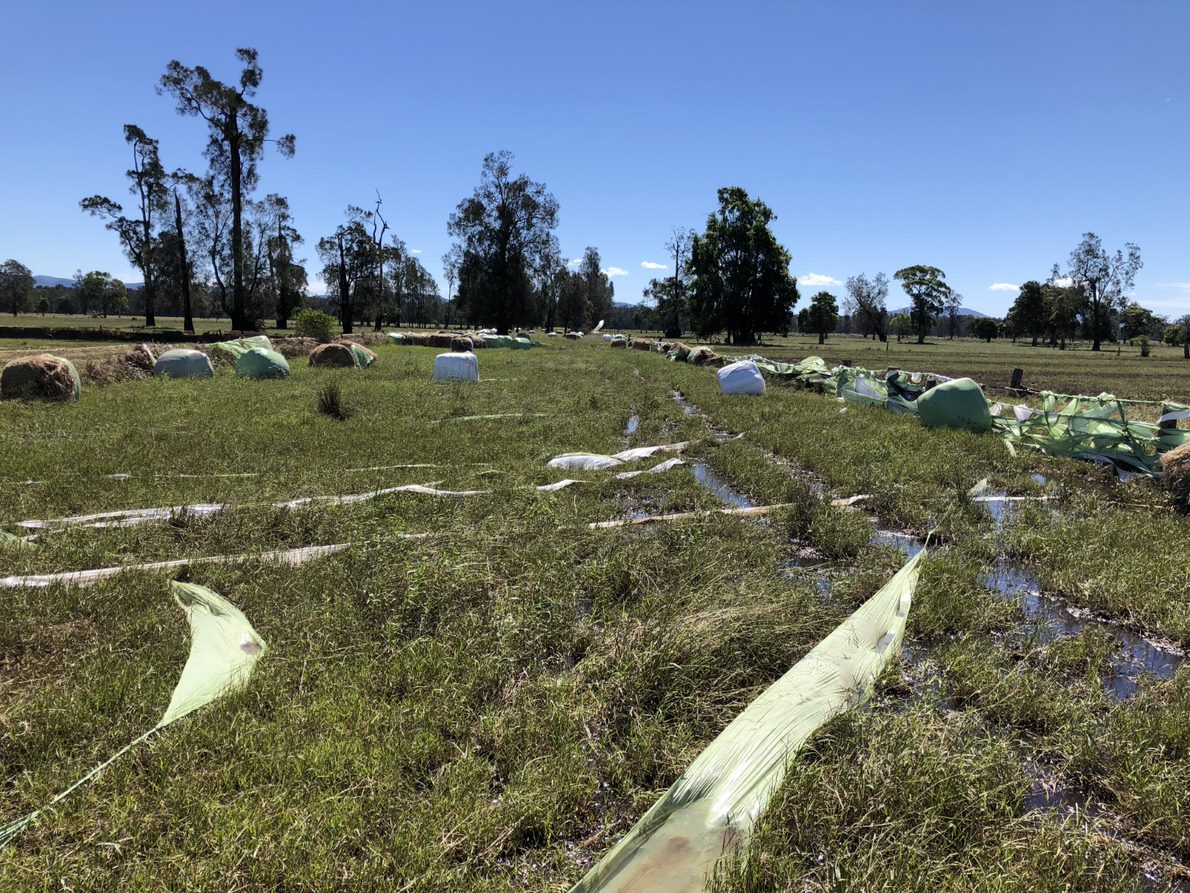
<point x="491" y="707"/>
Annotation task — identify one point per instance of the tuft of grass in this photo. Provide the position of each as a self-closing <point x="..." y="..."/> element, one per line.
<point x="331" y="402"/>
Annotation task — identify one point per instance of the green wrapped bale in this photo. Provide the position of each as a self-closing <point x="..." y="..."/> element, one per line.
<point x="955" y="404"/>
<point x="241" y="346"/>
<point x="258" y="363"/>
<point x="364" y="357"/>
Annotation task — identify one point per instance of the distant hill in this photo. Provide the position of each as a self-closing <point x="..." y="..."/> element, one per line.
<point x="963" y="311"/>
<point x="52" y="281"/>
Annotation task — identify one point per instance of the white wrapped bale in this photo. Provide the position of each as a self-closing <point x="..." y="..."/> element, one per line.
<point x="741" y="379"/>
<point x="183" y="363"/>
<point x="461" y="366"/>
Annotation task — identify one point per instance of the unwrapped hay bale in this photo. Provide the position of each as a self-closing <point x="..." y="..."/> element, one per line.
<point x="574" y="336"/>
<point x="460" y="344"/>
<point x="641" y="344"/>
<point x="294" y="346"/>
<point x="39" y="377"/>
<point x="141" y="357"/>
<point x="1175" y="475"/>
<point x="333" y="355"/>
<point x="618" y="342"/>
<point x="702" y="356"/>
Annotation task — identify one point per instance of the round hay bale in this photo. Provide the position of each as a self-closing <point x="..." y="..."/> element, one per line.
<point x="183" y="363"/>
<point x="701" y="356"/>
<point x="333" y="355"/>
<point x="618" y="342"/>
<point x="477" y="341"/>
<point x="641" y="344"/>
<point x="1175" y="475"/>
<point x="460" y="344"/>
<point x="39" y="377"/>
<point x="441" y="339"/>
<point x="141" y="357"/>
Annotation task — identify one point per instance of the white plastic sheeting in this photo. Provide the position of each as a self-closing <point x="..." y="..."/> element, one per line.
<point x="584" y="461"/>
<point x="659" y="468"/>
<point x="741" y="379"/>
<point x="631" y="455"/>
<point x="558" y="485"/>
<point x="461" y="366"/>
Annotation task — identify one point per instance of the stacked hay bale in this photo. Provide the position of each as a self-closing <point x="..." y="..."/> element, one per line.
<point x="40" y="377"/>
<point x="641" y="344"/>
<point x="1175" y="475"/>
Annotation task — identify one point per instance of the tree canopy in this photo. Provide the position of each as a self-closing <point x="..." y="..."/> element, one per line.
<point x="821" y="317"/>
<point x="1104" y="279"/>
<point x="927" y="290"/>
<point x="741" y="282"/>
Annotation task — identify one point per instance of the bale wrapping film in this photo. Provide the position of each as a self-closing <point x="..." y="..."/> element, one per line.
<point x="456" y="367"/>
<point x="259" y="363"/>
<point x="224" y="649"/>
<point x="710" y="811"/>
<point x="742" y="379"/>
<point x="184" y="363"/>
<point x="240" y="346"/>
<point x="955" y="404"/>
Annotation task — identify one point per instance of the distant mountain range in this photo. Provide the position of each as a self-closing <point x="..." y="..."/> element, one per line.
<point x="963" y="311"/>
<point x="51" y="281"/>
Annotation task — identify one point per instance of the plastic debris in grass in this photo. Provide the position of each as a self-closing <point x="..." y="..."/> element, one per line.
<point x="1096" y="429"/>
<point x="709" y="812"/>
<point x="240" y="346"/>
<point x="290" y="557"/>
<point x="559" y="485"/>
<point x="600" y="462"/>
<point x="224" y="649"/>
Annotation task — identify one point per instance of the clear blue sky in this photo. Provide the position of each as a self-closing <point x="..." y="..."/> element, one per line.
<point x="980" y="138"/>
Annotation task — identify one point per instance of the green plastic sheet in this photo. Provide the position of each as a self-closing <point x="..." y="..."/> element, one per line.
<point x="710" y="811"/>
<point x="240" y="346"/>
<point x="224" y="649"/>
<point x="363" y="357"/>
<point x="260" y="362"/>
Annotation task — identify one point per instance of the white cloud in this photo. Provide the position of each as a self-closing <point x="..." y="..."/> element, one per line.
<point x="1063" y="282"/>
<point x="1003" y="286"/>
<point x="415" y="251"/>
<point x="574" y="262"/>
<point x="653" y="265"/>
<point x="817" y="279"/>
<point x="1176" y="286"/>
<point x="612" y="272"/>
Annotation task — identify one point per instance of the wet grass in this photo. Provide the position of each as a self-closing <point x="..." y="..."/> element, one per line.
<point x="492" y="707"/>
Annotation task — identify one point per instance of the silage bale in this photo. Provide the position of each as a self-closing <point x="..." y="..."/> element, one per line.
<point x="184" y="363"/>
<point x="364" y="356"/>
<point x="680" y="352"/>
<point x="259" y="363"/>
<point x="741" y="379"/>
<point x="40" y="377"/>
<point x="456" y="367"/>
<point x="336" y="354"/>
<point x="955" y="404"/>
<point x="1175" y="475"/>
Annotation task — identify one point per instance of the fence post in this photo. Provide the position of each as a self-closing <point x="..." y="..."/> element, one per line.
<point x="1017" y="375"/>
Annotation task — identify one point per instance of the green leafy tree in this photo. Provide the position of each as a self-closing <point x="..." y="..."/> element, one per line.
<point x="505" y="231"/>
<point x="574" y="308"/>
<point x="16" y="285"/>
<point x="865" y="304"/>
<point x="137" y="233"/>
<point x="237" y="132"/>
<point x="927" y="290"/>
<point x="600" y="291"/>
<point x="1135" y="321"/>
<point x="821" y="317"/>
<point x="1029" y="311"/>
<point x="740" y="273"/>
<point x="101" y="291"/>
<point x="985" y="328"/>
<point x="1063" y="306"/>
<point x="1103" y="278"/>
<point x="1177" y="333"/>
<point x="950" y="306"/>
<point x="901" y="325"/>
<point x="43" y="306"/>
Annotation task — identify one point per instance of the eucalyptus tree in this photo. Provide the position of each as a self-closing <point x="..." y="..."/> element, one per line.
<point x="138" y="231"/>
<point x="237" y="133"/>
<point x="1104" y="280"/>
<point x="928" y="292"/>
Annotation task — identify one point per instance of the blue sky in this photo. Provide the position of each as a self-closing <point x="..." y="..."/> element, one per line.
<point x="980" y="138"/>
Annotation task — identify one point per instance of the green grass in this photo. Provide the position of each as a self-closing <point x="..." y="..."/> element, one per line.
<point x="492" y="707"/>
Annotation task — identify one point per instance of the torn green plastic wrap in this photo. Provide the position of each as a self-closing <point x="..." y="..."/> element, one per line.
<point x="224" y="649"/>
<point x="1095" y="429"/>
<point x="240" y="346"/>
<point x="710" y="811"/>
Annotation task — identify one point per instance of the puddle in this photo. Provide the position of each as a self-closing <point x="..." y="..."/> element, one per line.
<point x="687" y="407"/>
<point x="719" y="486"/>
<point x="633" y="424"/>
<point x="906" y="543"/>
<point x="1040" y="479"/>
<point x="1135" y="657"/>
